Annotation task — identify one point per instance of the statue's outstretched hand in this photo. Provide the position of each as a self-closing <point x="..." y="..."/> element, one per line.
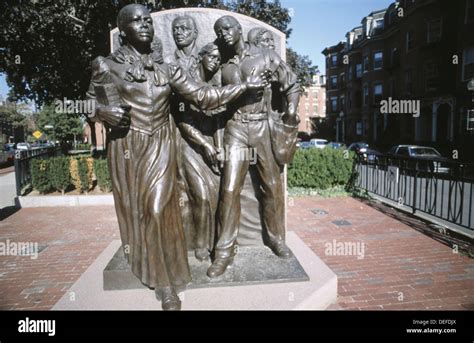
<point x="116" y="116"/>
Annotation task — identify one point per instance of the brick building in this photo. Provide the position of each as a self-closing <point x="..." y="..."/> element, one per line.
<point x="421" y="50"/>
<point x="312" y="105"/>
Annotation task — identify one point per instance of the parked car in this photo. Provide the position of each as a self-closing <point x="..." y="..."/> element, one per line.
<point x="23" y="146"/>
<point x="364" y="152"/>
<point x="318" y="143"/>
<point x="305" y="145"/>
<point x="425" y="158"/>
<point x="336" y="145"/>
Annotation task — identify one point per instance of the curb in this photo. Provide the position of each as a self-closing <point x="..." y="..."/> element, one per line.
<point x="64" y="200"/>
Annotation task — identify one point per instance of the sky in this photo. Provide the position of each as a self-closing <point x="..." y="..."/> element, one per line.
<point x="316" y="25"/>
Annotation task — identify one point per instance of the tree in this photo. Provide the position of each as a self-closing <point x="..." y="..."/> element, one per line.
<point x="46" y="46"/>
<point x="302" y="66"/>
<point x="58" y="126"/>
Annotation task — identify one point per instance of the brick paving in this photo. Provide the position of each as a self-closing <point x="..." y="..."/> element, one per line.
<point x="401" y="268"/>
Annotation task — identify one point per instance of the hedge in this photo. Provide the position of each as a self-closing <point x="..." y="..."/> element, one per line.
<point x="101" y="170"/>
<point x="60" y="173"/>
<point x="320" y="168"/>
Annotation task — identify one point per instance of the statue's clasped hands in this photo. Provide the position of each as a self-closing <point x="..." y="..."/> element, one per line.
<point x="117" y="116"/>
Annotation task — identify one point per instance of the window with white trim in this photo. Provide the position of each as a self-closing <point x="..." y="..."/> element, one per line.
<point x="468" y="64"/>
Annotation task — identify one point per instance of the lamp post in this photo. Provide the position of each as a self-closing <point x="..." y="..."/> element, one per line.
<point x="49" y="127"/>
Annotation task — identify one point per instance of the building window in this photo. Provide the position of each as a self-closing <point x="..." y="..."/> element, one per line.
<point x="409" y="40"/>
<point x="378" y="25"/>
<point x="358" y="70"/>
<point x="469" y="11"/>
<point x="365" y="99"/>
<point x="468" y="64"/>
<point x="366" y="64"/>
<point x="334" y="81"/>
<point x="378" y="60"/>
<point x="431" y="76"/>
<point x="359" y="128"/>
<point x="394" y="58"/>
<point x="470" y="120"/>
<point x="378" y="93"/>
<point x="349" y="73"/>
<point x="334" y="104"/>
<point x="343" y="103"/>
<point x="315" y="109"/>
<point x="343" y="79"/>
<point x="433" y="30"/>
<point x="333" y="60"/>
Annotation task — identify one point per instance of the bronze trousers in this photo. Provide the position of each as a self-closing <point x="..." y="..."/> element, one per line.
<point x="239" y="137"/>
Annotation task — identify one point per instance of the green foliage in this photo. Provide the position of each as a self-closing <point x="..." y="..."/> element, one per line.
<point x="302" y="66"/>
<point x="58" y="173"/>
<point x="320" y="168"/>
<point x="40" y="175"/>
<point x="101" y="170"/>
<point x="65" y="124"/>
<point x="83" y="146"/>
<point x="56" y="41"/>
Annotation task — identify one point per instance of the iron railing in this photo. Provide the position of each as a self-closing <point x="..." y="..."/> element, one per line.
<point x="22" y="164"/>
<point x="439" y="188"/>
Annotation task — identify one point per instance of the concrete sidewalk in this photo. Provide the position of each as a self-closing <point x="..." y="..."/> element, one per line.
<point x="391" y="265"/>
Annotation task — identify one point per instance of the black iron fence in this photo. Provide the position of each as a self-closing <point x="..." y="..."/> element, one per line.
<point x="22" y="164"/>
<point x="439" y="188"/>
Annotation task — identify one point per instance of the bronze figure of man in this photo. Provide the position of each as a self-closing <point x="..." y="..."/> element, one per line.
<point x="133" y="93"/>
<point x="249" y="129"/>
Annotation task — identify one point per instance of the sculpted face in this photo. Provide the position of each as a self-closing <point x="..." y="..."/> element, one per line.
<point x="267" y="41"/>
<point x="184" y="32"/>
<point x="212" y="60"/>
<point x="228" y="31"/>
<point x="137" y="25"/>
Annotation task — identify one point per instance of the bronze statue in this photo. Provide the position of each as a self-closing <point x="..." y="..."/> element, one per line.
<point x="133" y="91"/>
<point x="200" y="150"/>
<point x="185" y="32"/>
<point x="262" y="38"/>
<point x="249" y="128"/>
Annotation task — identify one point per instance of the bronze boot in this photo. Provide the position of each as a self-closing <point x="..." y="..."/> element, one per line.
<point x="281" y="249"/>
<point x="169" y="299"/>
<point x="219" y="266"/>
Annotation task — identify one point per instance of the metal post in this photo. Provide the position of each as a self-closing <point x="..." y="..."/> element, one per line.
<point x="415" y="187"/>
<point x="17" y="172"/>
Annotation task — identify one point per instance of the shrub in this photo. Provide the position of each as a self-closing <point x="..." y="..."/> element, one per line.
<point x="40" y="176"/>
<point x="58" y="173"/>
<point x="101" y="170"/>
<point x="320" y="168"/>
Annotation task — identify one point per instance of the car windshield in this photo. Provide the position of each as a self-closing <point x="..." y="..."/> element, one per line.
<point x="321" y="143"/>
<point x="424" y="151"/>
<point x="362" y="145"/>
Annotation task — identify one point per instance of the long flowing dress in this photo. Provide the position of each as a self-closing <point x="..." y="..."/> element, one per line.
<point x="142" y="160"/>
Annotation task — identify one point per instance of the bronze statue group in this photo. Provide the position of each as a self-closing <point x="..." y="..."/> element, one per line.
<point x="168" y="124"/>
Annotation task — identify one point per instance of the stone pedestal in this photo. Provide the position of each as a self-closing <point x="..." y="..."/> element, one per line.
<point x="310" y="286"/>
